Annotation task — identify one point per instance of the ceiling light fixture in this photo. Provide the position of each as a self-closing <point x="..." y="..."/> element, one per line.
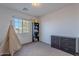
<point x="25" y="9"/>
<point x="35" y="3"/>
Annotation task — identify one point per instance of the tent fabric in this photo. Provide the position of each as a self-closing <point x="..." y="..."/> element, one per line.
<point x="11" y="43"/>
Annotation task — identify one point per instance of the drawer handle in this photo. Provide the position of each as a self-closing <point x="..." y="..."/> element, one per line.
<point x="66" y="49"/>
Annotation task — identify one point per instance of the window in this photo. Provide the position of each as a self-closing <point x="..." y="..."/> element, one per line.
<point x="20" y="25"/>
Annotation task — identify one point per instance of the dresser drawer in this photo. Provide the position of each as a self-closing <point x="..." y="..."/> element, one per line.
<point x="72" y="51"/>
<point x="55" y="41"/>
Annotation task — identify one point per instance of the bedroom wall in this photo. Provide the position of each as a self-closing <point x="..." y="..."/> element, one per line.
<point x="64" y="22"/>
<point x="5" y="17"/>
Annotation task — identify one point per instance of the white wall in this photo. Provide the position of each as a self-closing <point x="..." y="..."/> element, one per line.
<point x="64" y="22"/>
<point x="5" y="17"/>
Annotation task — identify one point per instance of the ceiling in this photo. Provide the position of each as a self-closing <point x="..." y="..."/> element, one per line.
<point x="43" y="9"/>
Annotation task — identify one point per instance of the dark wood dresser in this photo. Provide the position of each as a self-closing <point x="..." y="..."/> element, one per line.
<point x="66" y="44"/>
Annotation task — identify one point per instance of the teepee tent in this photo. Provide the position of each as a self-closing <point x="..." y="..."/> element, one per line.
<point x="11" y="43"/>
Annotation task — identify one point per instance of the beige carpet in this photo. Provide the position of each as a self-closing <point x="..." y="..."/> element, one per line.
<point x="40" y="49"/>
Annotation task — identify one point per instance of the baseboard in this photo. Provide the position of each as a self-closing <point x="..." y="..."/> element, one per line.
<point x="45" y="43"/>
<point x="27" y="43"/>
